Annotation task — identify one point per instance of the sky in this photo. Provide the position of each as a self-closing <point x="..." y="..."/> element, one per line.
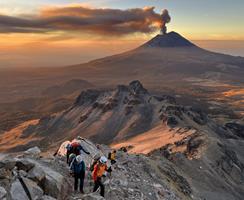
<point x="62" y="32"/>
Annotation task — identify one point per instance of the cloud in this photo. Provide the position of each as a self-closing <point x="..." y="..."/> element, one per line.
<point x="84" y="20"/>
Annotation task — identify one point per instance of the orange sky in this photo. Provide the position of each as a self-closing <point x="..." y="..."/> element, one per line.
<point x="61" y="43"/>
<point x="19" y="50"/>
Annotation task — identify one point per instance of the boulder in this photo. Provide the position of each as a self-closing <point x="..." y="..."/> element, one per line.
<point x="7" y="164"/>
<point x="4" y="174"/>
<point x="3" y="193"/>
<point x="37" y="174"/>
<point x="55" y="184"/>
<point x="34" y="151"/>
<point x="45" y="197"/>
<point x="35" y="191"/>
<point x="24" y="164"/>
<point x="22" y="173"/>
<point x="17" y="191"/>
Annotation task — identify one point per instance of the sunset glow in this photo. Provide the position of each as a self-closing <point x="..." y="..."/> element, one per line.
<point x="46" y="30"/>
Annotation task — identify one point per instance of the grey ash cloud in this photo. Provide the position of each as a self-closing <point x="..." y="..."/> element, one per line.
<point x="83" y="19"/>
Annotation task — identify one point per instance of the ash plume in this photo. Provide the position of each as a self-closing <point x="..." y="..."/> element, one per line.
<point x="165" y="19"/>
<point x="108" y="22"/>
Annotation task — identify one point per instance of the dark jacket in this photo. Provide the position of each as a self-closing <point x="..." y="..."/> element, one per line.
<point x="78" y="168"/>
<point x="76" y="148"/>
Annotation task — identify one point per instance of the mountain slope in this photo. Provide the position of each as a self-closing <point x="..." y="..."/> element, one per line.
<point x="115" y="115"/>
<point x="171" y="62"/>
<point x="195" y="154"/>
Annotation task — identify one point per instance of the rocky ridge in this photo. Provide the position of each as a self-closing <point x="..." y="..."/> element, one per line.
<point x="47" y="177"/>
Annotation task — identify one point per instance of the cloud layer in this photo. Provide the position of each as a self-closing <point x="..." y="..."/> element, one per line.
<point x="85" y="20"/>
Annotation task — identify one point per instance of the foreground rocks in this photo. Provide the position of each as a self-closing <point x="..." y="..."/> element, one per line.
<point x="42" y="177"/>
<point x="48" y="178"/>
<point x="164" y="174"/>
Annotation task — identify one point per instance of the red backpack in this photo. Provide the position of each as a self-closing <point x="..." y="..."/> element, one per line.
<point x="76" y="148"/>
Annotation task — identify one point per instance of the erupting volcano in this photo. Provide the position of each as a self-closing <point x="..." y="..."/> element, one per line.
<point x="165" y="17"/>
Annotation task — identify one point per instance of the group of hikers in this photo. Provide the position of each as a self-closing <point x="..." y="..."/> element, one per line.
<point x="98" y="168"/>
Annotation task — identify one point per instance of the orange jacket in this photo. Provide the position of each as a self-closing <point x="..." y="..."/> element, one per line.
<point x="99" y="170"/>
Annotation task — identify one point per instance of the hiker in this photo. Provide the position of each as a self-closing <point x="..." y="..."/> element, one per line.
<point x="112" y="157"/>
<point x="95" y="161"/>
<point x="78" y="169"/>
<point x="76" y="148"/>
<point x="99" y="169"/>
<point x="72" y="156"/>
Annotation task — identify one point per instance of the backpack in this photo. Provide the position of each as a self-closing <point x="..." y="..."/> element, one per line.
<point x="93" y="164"/>
<point x="71" y="158"/>
<point x="76" y="148"/>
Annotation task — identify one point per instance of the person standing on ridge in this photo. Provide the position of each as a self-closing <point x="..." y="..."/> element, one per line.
<point x="99" y="169"/>
<point x="78" y="169"/>
<point x="112" y="157"/>
<point x="77" y="148"/>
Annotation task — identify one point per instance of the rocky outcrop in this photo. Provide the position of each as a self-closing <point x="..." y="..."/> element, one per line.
<point x="28" y="177"/>
<point x="87" y="96"/>
<point x="236" y="129"/>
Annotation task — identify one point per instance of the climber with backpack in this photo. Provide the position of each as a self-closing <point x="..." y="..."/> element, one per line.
<point x="77" y="148"/>
<point x="112" y="157"/>
<point x="99" y="171"/>
<point x="95" y="161"/>
<point x="78" y="169"/>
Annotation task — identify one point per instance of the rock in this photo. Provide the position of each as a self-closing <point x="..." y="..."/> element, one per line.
<point x="35" y="191"/>
<point x="23" y="164"/>
<point x="7" y="164"/>
<point x="34" y="151"/>
<point x="17" y="192"/>
<point x="3" y="193"/>
<point x="92" y="197"/>
<point x="237" y="129"/>
<point x="45" y="197"/>
<point x="22" y="173"/>
<point x="172" y="121"/>
<point x="88" y="96"/>
<point x="134" y="102"/>
<point x="55" y="184"/>
<point x="4" y="174"/>
<point x="36" y="174"/>
<point x="137" y="88"/>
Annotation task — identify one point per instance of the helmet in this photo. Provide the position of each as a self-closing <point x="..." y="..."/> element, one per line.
<point x="79" y="158"/>
<point x="103" y="160"/>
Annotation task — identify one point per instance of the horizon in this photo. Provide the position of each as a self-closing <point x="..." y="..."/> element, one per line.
<point x="47" y="33"/>
<point x="229" y="47"/>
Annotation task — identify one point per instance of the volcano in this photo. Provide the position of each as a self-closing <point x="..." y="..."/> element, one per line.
<point x="171" y="39"/>
<point x="168" y="59"/>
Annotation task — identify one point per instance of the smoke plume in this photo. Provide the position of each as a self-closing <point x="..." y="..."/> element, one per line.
<point x="165" y="19"/>
<point x="107" y="22"/>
